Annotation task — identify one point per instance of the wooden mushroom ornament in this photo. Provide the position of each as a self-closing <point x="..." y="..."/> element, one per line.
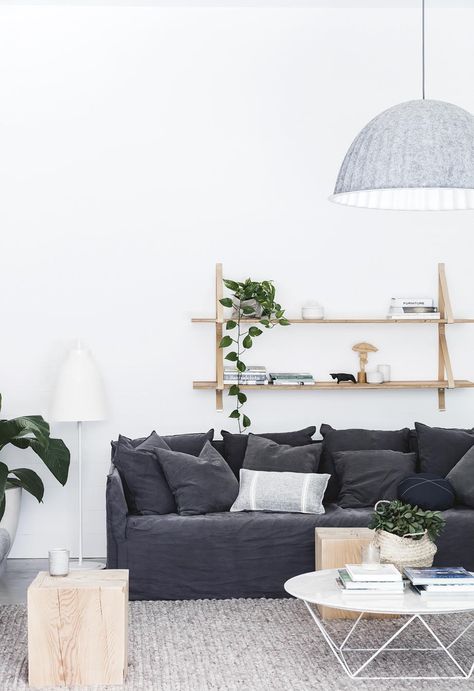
<point x="363" y="349"/>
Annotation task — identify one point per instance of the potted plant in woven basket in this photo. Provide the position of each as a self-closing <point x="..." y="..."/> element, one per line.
<point x="405" y="534"/>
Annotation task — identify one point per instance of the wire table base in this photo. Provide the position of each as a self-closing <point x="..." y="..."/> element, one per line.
<point x="341" y="650"/>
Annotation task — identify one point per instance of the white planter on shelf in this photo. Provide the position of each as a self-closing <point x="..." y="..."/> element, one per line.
<point x="12" y="513"/>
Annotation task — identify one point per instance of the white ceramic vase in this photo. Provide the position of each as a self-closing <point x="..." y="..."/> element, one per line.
<point x="12" y="513"/>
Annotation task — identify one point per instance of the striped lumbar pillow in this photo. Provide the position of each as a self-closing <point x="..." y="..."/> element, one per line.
<point x="275" y="491"/>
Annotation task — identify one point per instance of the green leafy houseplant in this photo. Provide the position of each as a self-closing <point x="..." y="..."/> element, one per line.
<point x="401" y="519"/>
<point x="31" y="432"/>
<point x="272" y="314"/>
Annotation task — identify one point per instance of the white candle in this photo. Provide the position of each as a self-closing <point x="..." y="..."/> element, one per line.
<point x="58" y="561"/>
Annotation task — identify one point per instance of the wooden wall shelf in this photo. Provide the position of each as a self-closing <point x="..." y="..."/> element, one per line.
<point x="210" y="320"/>
<point x="333" y="386"/>
<point x="445" y="379"/>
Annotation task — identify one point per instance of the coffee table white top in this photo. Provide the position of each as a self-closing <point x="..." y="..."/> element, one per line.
<point x="320" y="587"/>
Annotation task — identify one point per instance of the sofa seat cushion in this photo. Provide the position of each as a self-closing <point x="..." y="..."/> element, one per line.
<point x="222" y="555"/>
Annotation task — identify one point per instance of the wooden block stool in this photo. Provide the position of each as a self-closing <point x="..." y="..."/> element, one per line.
<point x="78" y="628"/>
<point x="336" y="547"/>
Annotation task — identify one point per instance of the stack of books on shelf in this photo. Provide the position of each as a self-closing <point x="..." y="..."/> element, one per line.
<point x="441" y="583"/>
<point x="358" y="579"/>
<point x="291" y="378"/>
<point x="253" y="375"/>
<point x="413" y="308"/>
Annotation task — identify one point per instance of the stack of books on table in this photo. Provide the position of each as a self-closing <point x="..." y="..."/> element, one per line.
<point x="441" y="583"/>
<point x="253" y="375"/>
<point x="291" y="378"/>
<point x="357" y="579"/>
<point x="413" y="308"/>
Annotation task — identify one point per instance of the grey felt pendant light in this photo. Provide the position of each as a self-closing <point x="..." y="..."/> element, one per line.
<point x="418" y="155"/>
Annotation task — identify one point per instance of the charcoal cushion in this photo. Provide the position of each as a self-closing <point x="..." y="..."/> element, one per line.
<point x="429" y="492"/>
<point x="440" y="449"/>
<point x="356" y="440"/>
<point x="235" y="445"/>
<point x="266" y="455"/>
<point x="370" y="475"/>
<point x="200" y="484"/>
<point x="192" y="443"/>
<point x="144" y="483"/>
<point x="461" y="478"/>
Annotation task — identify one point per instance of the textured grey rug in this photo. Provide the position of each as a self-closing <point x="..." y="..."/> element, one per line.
<point x="239" y="645"/>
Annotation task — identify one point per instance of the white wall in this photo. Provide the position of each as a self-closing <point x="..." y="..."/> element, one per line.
<point x="138" y="146"/>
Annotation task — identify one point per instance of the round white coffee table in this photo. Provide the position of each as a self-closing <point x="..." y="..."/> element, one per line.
<point x="320" y="588"/>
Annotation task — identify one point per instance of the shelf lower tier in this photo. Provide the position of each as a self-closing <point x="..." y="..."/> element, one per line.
<point x="333" y="386"/>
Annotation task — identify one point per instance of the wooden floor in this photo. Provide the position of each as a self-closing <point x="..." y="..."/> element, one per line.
<point x="17" y="577"/>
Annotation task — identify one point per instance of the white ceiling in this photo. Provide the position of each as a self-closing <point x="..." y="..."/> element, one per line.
<point x="352" y="4"/>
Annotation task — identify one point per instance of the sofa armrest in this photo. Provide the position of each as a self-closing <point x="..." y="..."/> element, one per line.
<point x="116" y="507"/>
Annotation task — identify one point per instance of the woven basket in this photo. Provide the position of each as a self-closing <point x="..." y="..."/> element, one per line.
<point x="404" y="551"/>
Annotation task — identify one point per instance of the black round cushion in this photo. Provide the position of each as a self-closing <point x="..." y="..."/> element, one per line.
<point x="429" y="492"/>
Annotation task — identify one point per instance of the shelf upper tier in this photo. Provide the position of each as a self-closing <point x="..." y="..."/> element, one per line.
<point x="334" y="386"/>
<point x="212" y="320"/>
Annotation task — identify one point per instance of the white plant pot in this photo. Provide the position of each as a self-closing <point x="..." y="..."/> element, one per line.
<point x="12" y="513"/>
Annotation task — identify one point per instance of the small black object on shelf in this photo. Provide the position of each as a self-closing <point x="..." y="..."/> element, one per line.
<point x="343" y="376"/>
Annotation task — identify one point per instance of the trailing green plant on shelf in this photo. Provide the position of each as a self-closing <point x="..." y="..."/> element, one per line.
<point x="402" y="519"/>
<point x="31" y="432"/>
<point x="250" y="299"/>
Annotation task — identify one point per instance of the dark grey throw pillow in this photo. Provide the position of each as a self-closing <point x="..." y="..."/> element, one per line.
<point x="268" y="456"/>
<point x="235" y="445"/>
<point x="145" y="486"/>
<point x="192" y="443"/>
<point x="357" y="440"/>
<point x="202" y="484"/>
<point x="440" y="449"/>
<point x="367" y="476"/>
<point x="461" y="478"/>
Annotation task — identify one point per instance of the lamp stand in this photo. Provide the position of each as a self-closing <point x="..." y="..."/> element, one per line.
<point x="80" y="564"/>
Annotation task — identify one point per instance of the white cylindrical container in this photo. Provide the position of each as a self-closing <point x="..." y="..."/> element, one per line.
<point x="374" y="377"/>
<point x="58" y="561"/>
<point x="385" y="371"/>
<point x="312" y="310"/>
<point x="370" y="556"/>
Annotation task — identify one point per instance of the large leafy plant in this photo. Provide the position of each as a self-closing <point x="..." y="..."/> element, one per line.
<point x="403" y="519"/>
<point x="31" y="432"/>
<point x="271" y="314"/>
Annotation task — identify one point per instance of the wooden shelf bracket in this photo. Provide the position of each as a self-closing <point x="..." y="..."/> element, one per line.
<point x="219" y="332"/>
<point x="446" y="313"/>
<point x="445" y="379"/>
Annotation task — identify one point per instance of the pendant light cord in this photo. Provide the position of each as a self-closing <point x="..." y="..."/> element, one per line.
<point x="423" y="49"/>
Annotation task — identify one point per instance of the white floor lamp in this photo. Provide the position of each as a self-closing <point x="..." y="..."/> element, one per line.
<point x="79" y="397"/>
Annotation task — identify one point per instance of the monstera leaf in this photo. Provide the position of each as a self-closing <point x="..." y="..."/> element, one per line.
<point x="31" y="432"/>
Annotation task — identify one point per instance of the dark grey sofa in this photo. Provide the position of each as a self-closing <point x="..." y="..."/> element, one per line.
<point x="251" y="554"/>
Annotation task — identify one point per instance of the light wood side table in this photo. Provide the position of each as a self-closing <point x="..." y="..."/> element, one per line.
<point x="78" y="628"/>
<point x="336" y="547"/>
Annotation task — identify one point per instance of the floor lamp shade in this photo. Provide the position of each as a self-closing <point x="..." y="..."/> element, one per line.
<point x="79" y="394"/>
<point x="417" y="155"/>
